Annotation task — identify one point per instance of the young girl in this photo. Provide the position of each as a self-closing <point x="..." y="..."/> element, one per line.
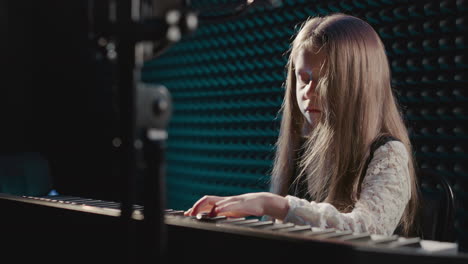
<point x="343" y="159"/>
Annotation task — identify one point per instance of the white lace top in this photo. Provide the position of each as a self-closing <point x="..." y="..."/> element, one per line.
<point x="384" y="195"/>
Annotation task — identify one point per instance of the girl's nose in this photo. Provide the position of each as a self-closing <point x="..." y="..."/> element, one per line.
<point x="310" y="90"/>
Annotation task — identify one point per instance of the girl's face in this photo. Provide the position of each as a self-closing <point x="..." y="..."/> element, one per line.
<point x="307" y="68"/>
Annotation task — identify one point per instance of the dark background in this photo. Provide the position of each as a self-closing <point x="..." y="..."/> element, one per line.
<point x="56" y="96"/>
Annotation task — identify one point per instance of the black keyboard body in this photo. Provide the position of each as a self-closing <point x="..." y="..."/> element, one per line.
<point x="77" y="230"/>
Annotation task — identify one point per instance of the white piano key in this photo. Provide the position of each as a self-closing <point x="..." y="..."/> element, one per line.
<point x="361" y="237"/>
<point x="259" y="224"/>
<point x="297" y="228"/>
<point x="277" y="226"/>
<point x="248" y="221"/>
<point x="380" y="239"/>
<point x="231" y="220"/>
<point x="319" y="231"/>
<point x="405" y="242"/>
<point x="334" y="234"/>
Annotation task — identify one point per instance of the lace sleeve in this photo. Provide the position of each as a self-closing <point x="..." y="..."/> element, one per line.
<point x="384" y="195"/>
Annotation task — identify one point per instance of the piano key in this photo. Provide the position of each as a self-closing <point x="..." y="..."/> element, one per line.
<point x="335" y="234"/>
<point x="380" y="239"/>
<point x="260" y="224"/>
<point x="388" y="241"/>
<point x="248" y="221"/>
<point x="103" y="204"/>
<point x="361" y="237"/>
<point x="207" y="218"/>
<point x="90" y="202"/>
<point x="297" y="228"/>
<point x="278" y="226"/>
<point x="215" y="218"/>
<point x="406" y="242"/>
<point x="54" y="198"/>
<point x="231" y="220"/>
<point x="175" y="212"/>
<point x="201" y="216"/>
<point x="318" y="231"/>
<point x="74" y="199"/>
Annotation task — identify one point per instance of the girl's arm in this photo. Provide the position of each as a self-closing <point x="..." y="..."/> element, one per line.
<point x="384" y="195"/>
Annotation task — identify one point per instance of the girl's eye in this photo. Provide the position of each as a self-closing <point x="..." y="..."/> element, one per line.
<point x="305" y="77"/>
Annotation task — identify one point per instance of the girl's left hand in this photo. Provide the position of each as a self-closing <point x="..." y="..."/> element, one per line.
<point x="250" y="204"/>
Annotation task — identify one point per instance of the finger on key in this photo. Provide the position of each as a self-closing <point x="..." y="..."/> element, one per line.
<point x="204" y="204"/>
<point x="212" y="213"/>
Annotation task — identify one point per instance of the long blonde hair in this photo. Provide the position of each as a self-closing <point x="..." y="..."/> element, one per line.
<point x="358" y="106"/>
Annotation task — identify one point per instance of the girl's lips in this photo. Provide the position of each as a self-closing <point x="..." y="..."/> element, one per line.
<point x="313" y="110"/>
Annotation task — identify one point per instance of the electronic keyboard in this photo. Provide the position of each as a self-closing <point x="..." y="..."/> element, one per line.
<point x="75" y="225"/>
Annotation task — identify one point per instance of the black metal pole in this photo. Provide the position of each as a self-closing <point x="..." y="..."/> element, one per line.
<point x="154" y="110"/>
<point x="154" y="235"/>
<point x="125" y="46"/>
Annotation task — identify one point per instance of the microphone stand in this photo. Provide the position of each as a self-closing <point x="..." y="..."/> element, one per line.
<point x="154" y="109"/>
<point x="142" y="133"/>
<point x="125" y="43"/>
<point x="154" y="190"/>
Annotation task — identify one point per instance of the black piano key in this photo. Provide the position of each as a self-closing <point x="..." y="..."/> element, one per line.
<point x="99" y="203"/>
<point x="175" y="212"/>
<point x="207" y="216"/>
<point x="218" y="218"/>
<point x="73" y="199"/>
